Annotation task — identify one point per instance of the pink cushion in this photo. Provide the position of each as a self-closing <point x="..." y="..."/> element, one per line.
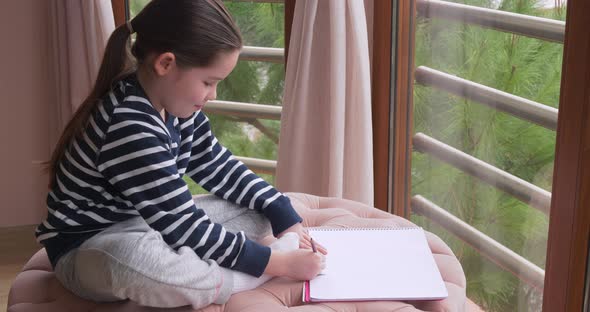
<point x="36" y="289"/>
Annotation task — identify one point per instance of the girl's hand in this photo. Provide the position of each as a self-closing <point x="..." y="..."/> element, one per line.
<point x="304" y="238"/>
<point x="299" y="264"/>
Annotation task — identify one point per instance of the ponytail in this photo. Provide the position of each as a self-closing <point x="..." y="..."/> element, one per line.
<point x="116" y="63"/>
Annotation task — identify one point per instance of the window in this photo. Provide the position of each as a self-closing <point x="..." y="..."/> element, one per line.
<point x="479" y="127"/>
<point x="484" y="142"/>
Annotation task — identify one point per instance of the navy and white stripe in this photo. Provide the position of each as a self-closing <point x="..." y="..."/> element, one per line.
<point x="130" y="162"/>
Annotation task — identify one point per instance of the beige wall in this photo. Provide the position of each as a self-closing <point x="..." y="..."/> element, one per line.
<point x="25" y="106"/>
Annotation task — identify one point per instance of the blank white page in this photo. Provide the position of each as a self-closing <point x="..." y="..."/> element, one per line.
<point x="376" y="264"/>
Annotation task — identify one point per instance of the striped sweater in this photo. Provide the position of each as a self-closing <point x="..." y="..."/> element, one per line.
<point x="130" y="162"/>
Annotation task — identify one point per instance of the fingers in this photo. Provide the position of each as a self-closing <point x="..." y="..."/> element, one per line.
<point x="304" y="240"/>
<point x="307" y="245"/>
<point x="305" y="236"/>
<point x="321" y="248"/>
<point x="304" y="244"/>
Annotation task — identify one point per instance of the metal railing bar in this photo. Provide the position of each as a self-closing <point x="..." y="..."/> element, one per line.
<point x="487" y="246"/>
<point x="502" y="180"/>
<point x="528" y="110"/>
<point x="260" y="54"/>
<point x="273" y="55"/>
<point x="248" y="110"/>
<point x="240" y="109"/>
<point x="257" y="1"/>
<point x="531" y="26"/>
<point x="259" y="165"/>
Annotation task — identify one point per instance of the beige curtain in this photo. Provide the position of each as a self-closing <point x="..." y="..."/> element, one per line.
<point x="78" y="33"/>
<point x="326" y="134"/>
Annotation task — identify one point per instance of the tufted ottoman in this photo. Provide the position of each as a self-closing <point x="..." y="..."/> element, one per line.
<point x="36" y="289"/>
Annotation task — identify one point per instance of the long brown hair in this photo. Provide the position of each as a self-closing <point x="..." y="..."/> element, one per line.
<point x="196" y="31"/>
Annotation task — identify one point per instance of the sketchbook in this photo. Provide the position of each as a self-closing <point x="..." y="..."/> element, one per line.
<point x="375" y="264"/>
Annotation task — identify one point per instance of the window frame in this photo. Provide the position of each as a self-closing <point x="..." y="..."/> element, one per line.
<point x="569" y="223"/>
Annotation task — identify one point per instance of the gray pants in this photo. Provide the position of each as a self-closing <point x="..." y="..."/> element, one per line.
<point x="129" y="260"/>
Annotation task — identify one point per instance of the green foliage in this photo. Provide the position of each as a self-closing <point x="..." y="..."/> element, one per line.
<point x="526" y="67"/>
<point x="135" y="6"/>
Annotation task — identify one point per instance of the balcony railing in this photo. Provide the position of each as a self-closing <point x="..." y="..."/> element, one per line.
<point x="246" y="110"/>
<point x="258" y="1"/>
<point x="530" y="26"/>
<point x="272" y="55"/>
<point x="528" y="110"/>
<point x="259" y="165"/>
<point x="546" y="116"/>
<point x="487" y="246"/>
<point x="521" y="189"/>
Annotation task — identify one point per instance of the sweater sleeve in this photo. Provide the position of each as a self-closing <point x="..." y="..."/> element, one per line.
<point x="136" y="160"/>
<point x="214" y="168"/>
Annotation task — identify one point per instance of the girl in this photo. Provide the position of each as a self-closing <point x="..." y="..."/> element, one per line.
<point x="122" y="223"/>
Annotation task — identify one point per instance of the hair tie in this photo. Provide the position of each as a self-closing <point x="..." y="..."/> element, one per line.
<point x="130" y="27"/>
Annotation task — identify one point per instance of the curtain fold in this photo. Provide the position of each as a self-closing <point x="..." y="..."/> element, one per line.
<point x="78" y="33"/>
<point x="326" y="130"/>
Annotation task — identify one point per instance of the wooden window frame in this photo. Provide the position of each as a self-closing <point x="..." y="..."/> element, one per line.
<point x="392" y="123"/>
<point x="569" y="223"/>
<point x="120" y="11"/>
